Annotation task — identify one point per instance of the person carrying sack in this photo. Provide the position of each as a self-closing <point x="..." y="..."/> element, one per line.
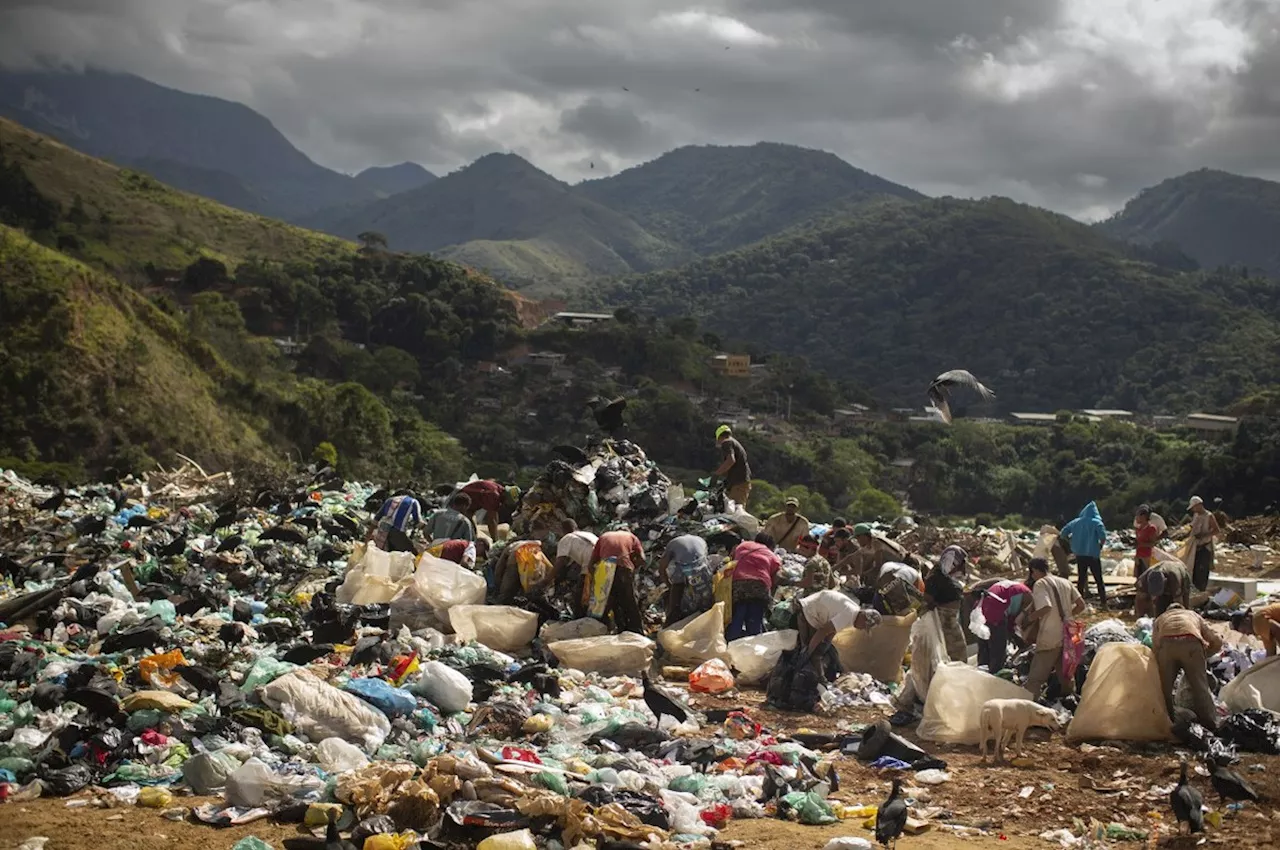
<point x="1058" y="635"/>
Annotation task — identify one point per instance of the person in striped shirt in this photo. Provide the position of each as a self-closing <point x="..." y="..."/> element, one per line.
<point x="397" y="517"/>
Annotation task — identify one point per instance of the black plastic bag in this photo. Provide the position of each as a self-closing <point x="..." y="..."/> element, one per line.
<point x="69" y="780"/>
<point x="1254" y="730"/>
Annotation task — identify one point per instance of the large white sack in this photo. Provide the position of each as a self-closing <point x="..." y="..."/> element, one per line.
<point x="1121" y="700"/>
<point x="1257" y="687"/>
<point x="321" y="711"/>
<point x="928" y="652"/>
<point x="954" y="705"/>
<point x="626" y="654"/>
<point x="755" y="657"/>
<point x="697" y="638"/>
<point x="446" y="688"/>
<point x="571" y="630"/>
<point x="444" y="584"/>
<point x="877" y="651"/>
<point x="373" y="576"/>
<point x="501" y="627"/>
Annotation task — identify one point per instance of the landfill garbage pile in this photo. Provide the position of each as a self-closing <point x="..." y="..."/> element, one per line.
<point x="166" y="634"/>
<point x="612" y="480"/>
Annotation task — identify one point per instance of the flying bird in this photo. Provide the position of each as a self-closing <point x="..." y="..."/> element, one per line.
<point x="660" y="704"/>
<point x="608" y="414"/>
<point x="940" y="390"/>
<point x="593" y="165"/>
<point x="1188" y="806"/>
<point x="891" y="817"/>
<point x="624" y="88"/>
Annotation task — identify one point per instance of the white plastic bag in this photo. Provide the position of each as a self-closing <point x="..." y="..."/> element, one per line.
<point x="501" y="627"/>
<point x="321" y="711"/>
<point x="207" y="772"/>
<point x="250" y="784"/>
<point x="337" y="756"/>
<point x="928" y="652"/>
<point x="444" y="584"/>
<point x="573" y="629"/>
<point x="373" y="576"/>
<point x="446" y="688"/>
<point x="755" y="657"/>
<point x="609" y="655"/>
<point x="711" y="677"/>
<point x="953" y="708"/>
<point x="1257" y="687"/>
<point x="978" y="623"/>
<point x="697" y="638"/>
<point x="1121" y="699"/>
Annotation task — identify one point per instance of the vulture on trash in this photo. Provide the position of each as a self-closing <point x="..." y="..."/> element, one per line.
<point x="940" y="390"/>
<point x="660" y="704"/>
<point x="1230" y="785"/>
<point x="891" y="817"/>
<point x="1187" y="804"/>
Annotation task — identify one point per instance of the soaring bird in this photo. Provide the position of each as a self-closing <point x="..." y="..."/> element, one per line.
<point x="660" y="704"/>
<point x="608" y="413"/>
<point x="940" y="389"/>
<point x="891" y="817"/>
<point x="1230" y="785"/>
<point x="1187" y="804"/>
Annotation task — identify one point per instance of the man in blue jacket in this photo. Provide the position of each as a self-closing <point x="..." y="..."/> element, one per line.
<point x="1086" y="534"/>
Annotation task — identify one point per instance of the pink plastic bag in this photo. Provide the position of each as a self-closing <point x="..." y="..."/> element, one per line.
<point x="711" y="677"/>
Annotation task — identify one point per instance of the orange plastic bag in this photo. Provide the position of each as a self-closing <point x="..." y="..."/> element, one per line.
<point x="711" y="677"/>
<point x="158" y="669"/>
<point x="533" y="565"/>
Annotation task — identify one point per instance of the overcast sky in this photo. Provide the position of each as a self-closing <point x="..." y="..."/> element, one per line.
<point x="1070" y="104"/>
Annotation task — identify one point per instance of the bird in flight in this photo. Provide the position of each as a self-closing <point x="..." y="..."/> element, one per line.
<point x="624" y="88"/>
<point x="940" y="390"/>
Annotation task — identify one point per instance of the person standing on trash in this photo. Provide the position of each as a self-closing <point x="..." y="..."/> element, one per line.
<point x="829" y="536"/>
<point x="611" y="588"/>
<point x="733" y="467"/>
<point x="1182" y="640"/>
<point x="452" y="523"/>
<point x="756" y="565"/>
<point x="817" y="576"/>
<point x="687" y="569"/>
<point x="943" y="590"/>
<point x="395" y="520"/>
<point x="1146" y="531"/>
<point x="873" y="552"/>
<point x="1002" y="603"/>
<point x="1086" y="534"/>
<point x="1263" y="622"/>
<point x="573" y="562"/>
<point x="1204" y="529"/>
<point x="1053" y="598"/>
<point x="789" y="526"/>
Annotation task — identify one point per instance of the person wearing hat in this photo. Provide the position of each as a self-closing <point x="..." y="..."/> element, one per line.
<point x="943" y="590"/>
<point x="733" y="467"/>
<point x="789" y="526"/>
<point x="1263" y="622"/>
<point x="1160" y="586"/>
<point x="1204" y="528"/>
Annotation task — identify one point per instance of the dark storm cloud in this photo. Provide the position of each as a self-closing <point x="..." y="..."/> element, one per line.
<point x="1073" y="104"/>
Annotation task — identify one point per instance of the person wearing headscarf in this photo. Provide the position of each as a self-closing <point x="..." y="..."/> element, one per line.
<point x="943" y="590"/>
<point x="817" y="576"/>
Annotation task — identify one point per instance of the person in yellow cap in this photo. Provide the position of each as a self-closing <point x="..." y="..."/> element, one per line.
<point x="733" y="466"/>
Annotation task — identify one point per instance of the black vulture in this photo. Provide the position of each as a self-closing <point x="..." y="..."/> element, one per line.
<point x="202" y="679"/>
<point x="53" y="502"/>
<point x="1187" y="804"/>
<point x="608" y="413"/>
<point x="1230" y="785"/>
<point x="940" y="390"/>
<point x="660" y="704"/>
<point x="891" y="817"/>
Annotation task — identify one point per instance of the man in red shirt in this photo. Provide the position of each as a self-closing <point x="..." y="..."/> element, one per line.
<point x="1146" y="534"/>
<point x="487" y="496"/>
<point x="629" y="554"/>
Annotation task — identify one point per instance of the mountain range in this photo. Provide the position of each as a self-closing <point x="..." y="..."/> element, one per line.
<point x="534" y="232"/>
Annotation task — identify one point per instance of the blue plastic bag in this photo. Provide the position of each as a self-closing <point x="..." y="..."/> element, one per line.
<point x="382" y="695"/>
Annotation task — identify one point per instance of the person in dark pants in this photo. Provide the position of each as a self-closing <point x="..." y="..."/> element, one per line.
<point x="1086" y="534"/>
<point x="625" y="548"/>
<point x="1001" y="603"/>
<point x="1204" y="529"/>
<point x="756" y="564"/>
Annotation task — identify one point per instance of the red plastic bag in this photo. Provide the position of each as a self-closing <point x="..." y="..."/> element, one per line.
<point x="716" y="816"/>
<point x="518" y="754"/>
<point x="711" y="677"/>
<point x="1072" y="647"/>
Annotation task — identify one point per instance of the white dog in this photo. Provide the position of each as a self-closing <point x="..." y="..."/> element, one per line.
<point x="1005" y="719"/>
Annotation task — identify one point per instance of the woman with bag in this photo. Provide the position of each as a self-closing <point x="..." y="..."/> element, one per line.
<point x="1059" y="635"/>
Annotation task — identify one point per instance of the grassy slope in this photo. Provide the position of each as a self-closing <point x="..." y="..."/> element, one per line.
<point x="114" y="369"/>
<point x="151" y="222"/>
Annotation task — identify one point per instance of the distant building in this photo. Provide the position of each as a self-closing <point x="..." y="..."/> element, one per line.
<point x="1164" y="420"/>
<point x="581" y="320"/>
<point x="855" y="411"/>
<point x="1033" y="418"/>
<point x="1211" y="424"/>
<point x="1109" y="414"/>
<point x="732" y="365"/>
<point x="289" y="346"/>
<point x="543" y="359"/>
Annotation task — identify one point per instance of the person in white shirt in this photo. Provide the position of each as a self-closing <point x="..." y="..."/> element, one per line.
<point x="573" y="560"/>
<point x="1050" y="595"/>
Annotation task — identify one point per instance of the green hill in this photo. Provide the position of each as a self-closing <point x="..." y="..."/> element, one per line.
<point x="502" y="214"/>
<point x="1216" y="217"/>
<point x="1050" y="312"/>
<point x="133" y="324"/>
<point x="136" y="123"/>
<point x="712" y="199"/>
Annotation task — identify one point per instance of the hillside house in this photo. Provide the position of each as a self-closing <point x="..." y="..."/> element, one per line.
<point x="1120" y="415"/>
<point x="1040" y="419"/>
<point x="732" y="365"/>
<point x="1211" y="424"/>
<point x="581" y="320"/>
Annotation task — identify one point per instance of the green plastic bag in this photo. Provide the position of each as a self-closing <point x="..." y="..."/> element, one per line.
<point x="552" y="782"/>
<point x="812" y="809"/>
<point x="263" y="671"/>
<point x="693" y="783"/>
<point x="144" y="719"/>
<point x="251" y="842"/>
<point x="18" y="766"/>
